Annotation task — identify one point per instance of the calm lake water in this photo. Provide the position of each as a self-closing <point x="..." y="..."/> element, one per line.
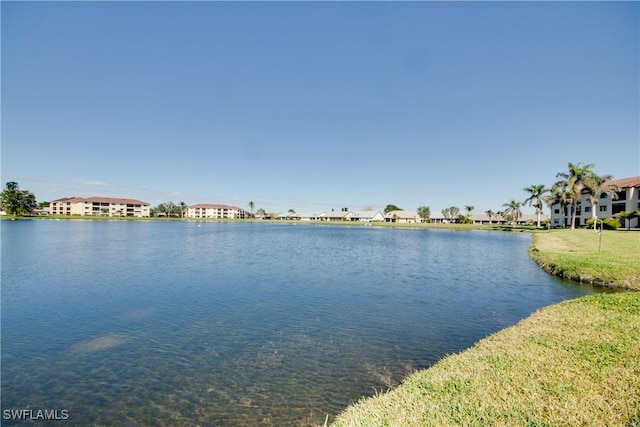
<point x="185" y="323"/>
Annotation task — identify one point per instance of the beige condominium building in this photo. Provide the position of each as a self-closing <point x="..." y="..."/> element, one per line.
<point x="627" y="199"/>
<point x="99" y="206"/>
<point x="205" y="210"/>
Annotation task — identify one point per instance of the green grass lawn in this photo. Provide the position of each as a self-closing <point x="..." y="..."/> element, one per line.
<point x="575" y="254"/>
<point x="573" y="363"/>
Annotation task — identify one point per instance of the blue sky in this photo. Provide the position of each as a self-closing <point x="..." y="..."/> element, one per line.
<point x="316" y="105"/>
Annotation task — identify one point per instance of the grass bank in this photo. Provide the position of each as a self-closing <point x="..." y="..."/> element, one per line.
<point x="573" y="363"/>
<point x="581" y="256"/>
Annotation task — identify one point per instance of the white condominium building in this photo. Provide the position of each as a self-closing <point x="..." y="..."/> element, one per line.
<point x="628" y="199"/>
<point x="99" y="206"/>
<point x="215" y="211"/>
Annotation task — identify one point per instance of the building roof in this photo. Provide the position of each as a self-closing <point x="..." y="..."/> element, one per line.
<point x="116" y="200"/>
<point x="100" y="200"/>
<point x="633" y="181"/>
<point x="305" y="215"/>
<point x="336" y="214"/>
<point x="364" y="214"/>
<point x="214" y="206"/>
<point x="69" y="199"/>
<point x="401" y="214"/>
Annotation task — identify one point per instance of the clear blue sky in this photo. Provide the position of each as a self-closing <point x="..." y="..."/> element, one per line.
<point x="314" y="106"/>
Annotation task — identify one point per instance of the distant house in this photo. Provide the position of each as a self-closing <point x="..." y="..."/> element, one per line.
<point x="305" y="216"/>
<point x="403" y="217"/>
<point x="99" y="206"/>
<point x="205" y="210"/>
<point x="628" y="199"/>
<point x="366" y="216"/>
<point x="335" y="216"/>
<point x="438" y="219"/>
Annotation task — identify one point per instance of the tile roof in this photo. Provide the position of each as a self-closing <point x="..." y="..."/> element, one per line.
<point x="69" y="199"/>
<point x="633" y="181"/>
<point x="116" y="200"/>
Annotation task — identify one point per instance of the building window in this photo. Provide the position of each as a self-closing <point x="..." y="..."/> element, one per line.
<point x="587" y="209"/>
<point x="622" y="195"/>
<point x="617" y="208"/>
<point x="556" y="211"/>
<point x="603" y="208"/>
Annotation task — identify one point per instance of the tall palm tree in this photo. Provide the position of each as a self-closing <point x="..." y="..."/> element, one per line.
<point x="490" y="214"/>
<point x="183" y="205"/>
<point x="535" y="199"/>
<point x="561" y="195"/>
<point x="596" y="186"/>
<point x="574" y="181"/>
<point x="513" y="209"/>
<point x="469" y="208"/>
<point x="251" y="205"/>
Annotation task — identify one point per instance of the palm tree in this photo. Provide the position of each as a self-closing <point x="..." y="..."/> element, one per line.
<point x="597" y="186"/>
<point x="183" y="205"/>
<point x="513" y="209"/>
<point x="628" y="216"/>
<point x="535" y="199"/>
<point x="490" y="214"/>
<point x="469" y="208"/>
<point x="560" y="195"/>
<point x="251" y="205"/>
<point x="574" y="182"/>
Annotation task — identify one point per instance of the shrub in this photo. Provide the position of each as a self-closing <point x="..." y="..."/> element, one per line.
<point x="607" y="224"/>
<point x="462" y="219"/>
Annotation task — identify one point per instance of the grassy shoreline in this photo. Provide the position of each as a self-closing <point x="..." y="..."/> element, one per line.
<point x="609" y="259"/>
<point x="572" y="363"/>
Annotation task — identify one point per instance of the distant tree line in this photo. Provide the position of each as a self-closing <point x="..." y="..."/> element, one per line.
<point x="578" y="179"/>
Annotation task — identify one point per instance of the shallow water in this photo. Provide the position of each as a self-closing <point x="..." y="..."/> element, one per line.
<point x="185" y="323"/>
